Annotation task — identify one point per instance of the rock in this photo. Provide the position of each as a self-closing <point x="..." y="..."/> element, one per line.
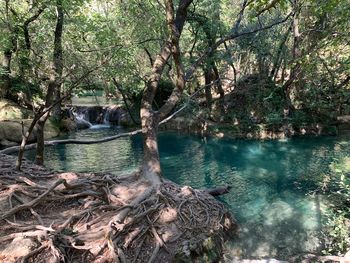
<point x="11" y="131"/>
<point x="117" y="115"/>
<point x="7" y="143"/>
<point x="207" y="247"/>
<point x="200" y="249"/>
<point x="10" y="111"/>
<point x="82" y="124"/>
<point x="19" y="247"/>
<point x="68" y="125"/>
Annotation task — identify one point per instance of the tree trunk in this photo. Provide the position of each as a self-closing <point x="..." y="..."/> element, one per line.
<point x="296" y="53"/>
<point x="208" y="96"/>
<point x="151" y="169"/>
<point x="151" y="163"/>
<point x="57" y="62"/>
<point x="53" y="91"/>
<point x="25" y="136"/>
<point x="40" y="145"/>
<point x="220" y="90"/>
<point x="5" y="81"/>
<point x="11" y="33"/>
<point x="278" y="58"/>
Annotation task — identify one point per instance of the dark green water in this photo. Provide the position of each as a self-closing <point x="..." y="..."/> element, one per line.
<point x="271" y="181"/>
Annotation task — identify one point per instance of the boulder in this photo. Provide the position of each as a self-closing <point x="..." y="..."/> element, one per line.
<point x="10" y="111"/>
<point x="11" y="131"/>
<point x="67" y="124"/>
<point x="118" y="116"/>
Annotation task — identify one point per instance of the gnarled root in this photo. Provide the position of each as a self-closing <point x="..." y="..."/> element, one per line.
<point x="101" y="218"/>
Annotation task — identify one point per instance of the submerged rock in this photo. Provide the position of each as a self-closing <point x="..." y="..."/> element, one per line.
<point x="206" y="248"/>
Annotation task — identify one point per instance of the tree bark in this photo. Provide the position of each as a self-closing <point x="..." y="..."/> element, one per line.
<point x="39" y="158"/>
<point x="53" y="91"/>
<point x="56" y="75"/>
<point x="207" y="83"/>
<point x="5" y="82"/>
<point x="277" y="60"/>
<point x="150" y="168"/>
<point x="220" y="90"/>
<point x="296" y="53"/>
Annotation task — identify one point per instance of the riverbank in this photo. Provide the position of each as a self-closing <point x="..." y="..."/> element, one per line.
<point x="205" y="127"/>
<point x="54" y="216"/>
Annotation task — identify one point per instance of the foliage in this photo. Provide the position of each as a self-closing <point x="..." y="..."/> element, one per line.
<point x="337" y="219"/>
<point x="114" y="39"/>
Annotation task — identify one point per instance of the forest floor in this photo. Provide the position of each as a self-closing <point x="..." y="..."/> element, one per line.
<point x="55" y="217"/>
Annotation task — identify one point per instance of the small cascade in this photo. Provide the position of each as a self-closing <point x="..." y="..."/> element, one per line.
<point x="96" y="117"/>
<point x="81" y="118"/>
<point x="82" y="123"/>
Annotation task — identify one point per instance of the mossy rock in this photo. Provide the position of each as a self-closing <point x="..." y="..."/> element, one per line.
<point x="201" y="249"/>
<point x="11" y="131"/>
<point x="12" y="111"/>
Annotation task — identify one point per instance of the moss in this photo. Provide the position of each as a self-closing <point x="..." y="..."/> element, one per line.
<point x="12" y="111"/>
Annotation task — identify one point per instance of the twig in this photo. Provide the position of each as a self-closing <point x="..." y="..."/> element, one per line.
<point x="37" y="216"/>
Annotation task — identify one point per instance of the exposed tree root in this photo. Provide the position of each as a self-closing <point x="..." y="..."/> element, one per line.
<point x="100" y="218"/>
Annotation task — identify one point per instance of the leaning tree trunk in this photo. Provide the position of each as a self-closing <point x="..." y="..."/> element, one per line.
<point x="151" y="169"/>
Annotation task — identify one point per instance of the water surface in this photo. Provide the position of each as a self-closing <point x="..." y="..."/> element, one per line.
<point x="271" y="181"/>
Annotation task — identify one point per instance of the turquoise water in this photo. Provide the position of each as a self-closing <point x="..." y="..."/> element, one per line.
<point x="272" y="181"/>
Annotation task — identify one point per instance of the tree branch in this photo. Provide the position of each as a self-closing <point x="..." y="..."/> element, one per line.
<point x="232" y="36"/>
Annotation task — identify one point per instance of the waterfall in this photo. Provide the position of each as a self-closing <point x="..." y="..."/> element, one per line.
<point x="112" y="115"/>
<point x="81" y="117"/>
<point x="98" y="116"/>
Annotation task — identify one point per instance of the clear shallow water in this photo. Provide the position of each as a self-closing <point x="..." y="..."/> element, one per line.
<point x="270" y="181"/>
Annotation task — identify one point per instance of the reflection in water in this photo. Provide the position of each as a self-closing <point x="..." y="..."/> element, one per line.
<point x="270" y="181"/>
